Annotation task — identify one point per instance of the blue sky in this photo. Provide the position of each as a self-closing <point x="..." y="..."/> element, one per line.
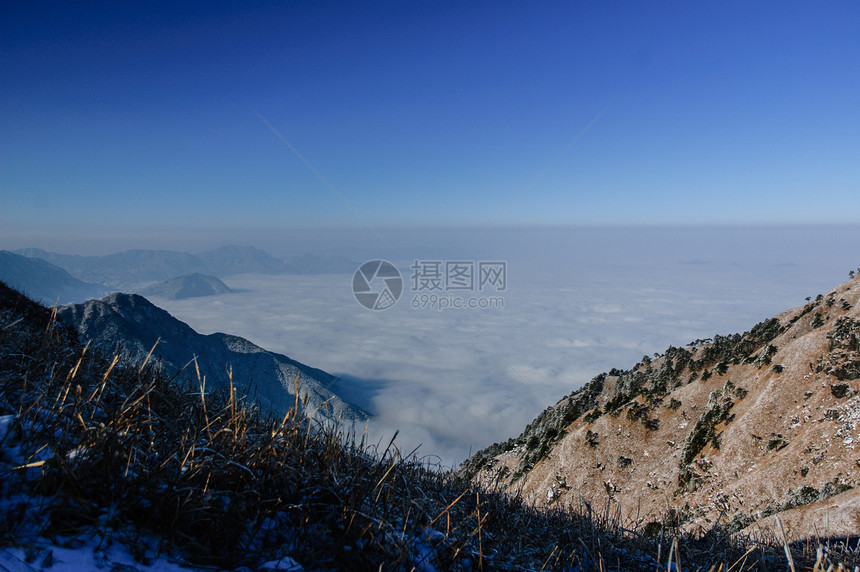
<point x="145" y="115"/>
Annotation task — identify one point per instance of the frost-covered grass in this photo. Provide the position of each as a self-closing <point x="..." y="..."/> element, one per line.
<point x="113" y="458"/>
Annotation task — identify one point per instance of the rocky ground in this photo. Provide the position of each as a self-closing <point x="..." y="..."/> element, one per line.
<point x="727" y="433"/>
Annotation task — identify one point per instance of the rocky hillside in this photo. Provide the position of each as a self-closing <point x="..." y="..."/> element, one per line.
<point x="268" y="377"/>
<point x="722" y="433"/>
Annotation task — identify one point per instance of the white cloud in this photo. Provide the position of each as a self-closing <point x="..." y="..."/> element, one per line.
<point x="458" y="380"/>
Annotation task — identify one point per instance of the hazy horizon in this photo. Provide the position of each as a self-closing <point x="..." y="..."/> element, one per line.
<point x="359" y="242"/>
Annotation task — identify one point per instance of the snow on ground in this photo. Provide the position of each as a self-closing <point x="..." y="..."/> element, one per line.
<point x="94" y="553"/>
<point x="87" y="554"/>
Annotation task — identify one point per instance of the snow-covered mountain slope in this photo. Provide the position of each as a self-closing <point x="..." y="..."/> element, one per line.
<point x="268" y="377"/>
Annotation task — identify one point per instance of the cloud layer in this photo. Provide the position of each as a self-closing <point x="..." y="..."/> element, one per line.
<point x="455" y="381"/>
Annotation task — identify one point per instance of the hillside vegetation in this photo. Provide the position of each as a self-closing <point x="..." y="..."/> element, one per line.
<point x="95" y="448"/>
<point x="724" y="434"/>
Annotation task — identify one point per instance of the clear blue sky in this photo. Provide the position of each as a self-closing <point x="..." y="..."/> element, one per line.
<point x="143" y="114"/>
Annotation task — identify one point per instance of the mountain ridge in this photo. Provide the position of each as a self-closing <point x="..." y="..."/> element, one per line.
<point x="220" y="358"/>
<point x="137" y="267"/>
<point x="132" y="269"/>
<point x="44" y="281"/>
<point x="727" y="432"/>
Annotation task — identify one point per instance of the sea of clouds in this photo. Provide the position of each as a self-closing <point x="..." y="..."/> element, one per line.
<point x="577" y="302"/>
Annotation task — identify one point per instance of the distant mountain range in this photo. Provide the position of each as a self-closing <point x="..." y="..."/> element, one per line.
<point x="123" y="269"/>
<point x="45" y="282"/>
<point x="136" y="325"/>
<point x="192" y="286"/>
<point x="132" y="269"/>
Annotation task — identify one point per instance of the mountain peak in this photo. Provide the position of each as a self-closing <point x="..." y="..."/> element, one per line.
<point x="139" y="326"/>
<point x="190" y="286"/>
